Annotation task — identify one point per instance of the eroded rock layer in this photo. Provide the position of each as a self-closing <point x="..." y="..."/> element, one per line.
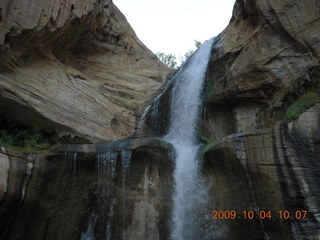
<point x="77" y="64"/>
<point x="265" y="59"/>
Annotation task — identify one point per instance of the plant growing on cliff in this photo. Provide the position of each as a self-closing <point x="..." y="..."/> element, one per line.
<point x="303" y="103"/>
<point x="171" y="60"/>
<point x="188" y="54"/>
<point x="209" y="89"/>
<point x="204" y="139"/>
<point x="23" y="138"/>
<point x="167" y="59"/>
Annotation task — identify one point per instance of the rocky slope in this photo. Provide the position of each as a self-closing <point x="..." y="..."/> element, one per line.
<point x="75" y="66"/>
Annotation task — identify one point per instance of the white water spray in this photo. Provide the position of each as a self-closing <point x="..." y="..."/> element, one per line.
<point x="189" y="219"/>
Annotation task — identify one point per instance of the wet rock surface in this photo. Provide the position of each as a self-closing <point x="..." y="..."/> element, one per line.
<point x="274" y="169"/>
<point x="112" y="192"/>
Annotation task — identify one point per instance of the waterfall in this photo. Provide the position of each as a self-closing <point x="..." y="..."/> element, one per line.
<point x="191" y="213"/>
<point x="186" y="98"/>
<point x="101" y="220"/>
<point x="190" y="218"/>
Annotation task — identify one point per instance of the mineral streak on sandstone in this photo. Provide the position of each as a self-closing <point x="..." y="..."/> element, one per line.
<point x="262" y="63"/>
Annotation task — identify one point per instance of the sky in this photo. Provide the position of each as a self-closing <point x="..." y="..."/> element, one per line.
<point x="171" y="26"/>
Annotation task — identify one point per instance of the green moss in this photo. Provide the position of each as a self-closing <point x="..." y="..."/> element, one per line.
<point x="204" y="139"/>
<point x="209" y="89"/>
<point x="303" y="103"/>
<point x="204" y="148"/>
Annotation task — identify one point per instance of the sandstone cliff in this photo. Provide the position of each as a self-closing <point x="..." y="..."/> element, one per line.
<point x="261" y="113"/>
<point x="75" y="66"/>
<point x="262" y="62"/>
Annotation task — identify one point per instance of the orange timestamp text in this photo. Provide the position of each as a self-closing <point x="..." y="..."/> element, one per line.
<point x="261" y="214"/>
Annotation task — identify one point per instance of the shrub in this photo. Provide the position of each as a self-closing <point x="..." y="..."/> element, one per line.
<point x="301" y="104"/>
<point x="23" y="138"/>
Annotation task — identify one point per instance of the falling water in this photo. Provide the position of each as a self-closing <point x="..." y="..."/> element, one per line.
<point x="71" y="159"/>
<point x="191" y="214"/>
<point x="101" y="223"/>
<point x="190" y="219"/>
<point x="141" y="122"/>
<point x="185" y="98"/>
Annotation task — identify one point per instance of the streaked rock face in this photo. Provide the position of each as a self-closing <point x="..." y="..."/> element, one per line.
<point x="262" y="63"/>
<point x="120" y="190"/>
<point x="274" y="169"/>
<point x="75" y="66"/>
<point x="4" y="175"/>
<point x="15" y="173"/>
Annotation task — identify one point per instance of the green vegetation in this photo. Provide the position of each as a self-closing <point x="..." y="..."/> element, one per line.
<point x="204" y="139"/>
<point x="203" y="149"/>
<point x="23" y="138"/>
<point x="171" y="60"/>
<point x="209" y="89"/>
<point x="303" y="103"/>
<point x="188" y="54"/>
<point x="168" y="59"/>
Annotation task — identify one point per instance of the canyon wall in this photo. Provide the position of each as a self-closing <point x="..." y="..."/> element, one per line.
<point x="265" y="59"/>
<point x="74" y="66"/>
<point x="120" y="190"/>
<point x="259" y="127"/>
<point x="261" y="114"/>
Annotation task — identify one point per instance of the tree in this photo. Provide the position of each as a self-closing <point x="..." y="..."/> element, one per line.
<point x="197" y="43"/>
<point x="168" y="59"/>
<point x="188" y="54"/>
